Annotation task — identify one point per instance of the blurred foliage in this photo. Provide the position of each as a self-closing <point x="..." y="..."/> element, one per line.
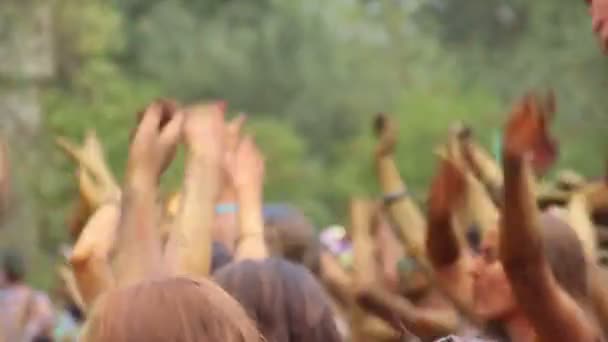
<point x="312" y="73"/>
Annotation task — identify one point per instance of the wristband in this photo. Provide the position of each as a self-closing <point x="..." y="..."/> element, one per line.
<point x="226" y="208"/>
<point x="391" y="198"/>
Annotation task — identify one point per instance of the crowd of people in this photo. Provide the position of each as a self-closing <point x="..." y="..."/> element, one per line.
<point x="494" y="255"/>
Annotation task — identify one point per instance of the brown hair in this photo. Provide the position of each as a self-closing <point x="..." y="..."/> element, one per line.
<point x="289" y="234"/>
<point x="171" y="309"/>
<point x="283" y="298"/>
<point x="564" y="253"/>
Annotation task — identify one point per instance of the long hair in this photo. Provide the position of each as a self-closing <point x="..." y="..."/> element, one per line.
<point x="283" y="298"/>
<point x="172" y="309"/>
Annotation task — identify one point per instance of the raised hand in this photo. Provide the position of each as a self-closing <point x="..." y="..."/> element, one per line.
<point x="598" y="9"/>
<point x="204" y="131"/>
<point x="5" y="177"/>
<point x="386" y="131"/>
<point x="138" y="244"/>
<point x="232" y="138"/>
<point x="527" y="135"/>
<point x="154" y="142"/>
<point x="447" y="190"/>
<point x="189" y="248"/>
<point x="233" y="132"/>
<point x="247" y="169"/>
<point x="97" y="184"/>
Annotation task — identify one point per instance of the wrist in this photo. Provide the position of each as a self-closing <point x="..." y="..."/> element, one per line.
<point x="202" y="155"/>
<point x="248" y="193"/>
<point x="140" y="180"/>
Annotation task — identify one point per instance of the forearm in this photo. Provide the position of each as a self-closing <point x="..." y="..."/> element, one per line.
<point x="93" y="277"/>
<point x="442" y="244"/>
<point x="520" y="237"/>
<point x="90" y="257"/>
<point x="191" y="239"/>
<point x="364" y="274"/>
<point x="480" y="204"/>
<point x="489" y="171"/>
<point x="252" y="244"/>
<point x="336" y="279"/>
<point x="403" y="211"/>
<point x="376" y="329"/>
<point x="138" y="254"/>
<point x="397" y="311"/>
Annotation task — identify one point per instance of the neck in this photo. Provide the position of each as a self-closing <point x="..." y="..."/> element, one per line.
<point x="519" y="328"/>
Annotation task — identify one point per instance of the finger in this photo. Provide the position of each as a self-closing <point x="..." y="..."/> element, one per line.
<point x="70" y="148"/>
<point x="150" y="121"/>
<point x="246" y="144"/>
<point x="597" y="23"/>
<point x="604" y="35"/>
<point x="233" y="132"/>
<point x="221" y="105"/>
<point x="168" y="109"/>
<point x="88" y="189"/>
<point x="172" y="132"/>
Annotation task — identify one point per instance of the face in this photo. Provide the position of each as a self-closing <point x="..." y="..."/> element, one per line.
<point x="492" y="295"/>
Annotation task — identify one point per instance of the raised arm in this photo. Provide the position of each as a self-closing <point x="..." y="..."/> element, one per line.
<point x="5" y="177"/>
<point x="598" y="9"/>
<point x="401" y="207"/>
<point x="90" y="258"/>
<point x="426" y="323"/>
<point x="338" y="282"/>
<point x="138" y="246"/>
<point x="372" y="295"/>
<point x="364" y="274"/>
<point x="450" y="261"/>
<point x="483" y="166"/>
<point x="247" y="173"/>
<point x="554" y="315"/>
<point x="97" y="184"/>
<point x="226" y="228"/>
<point x="189" y="249"/>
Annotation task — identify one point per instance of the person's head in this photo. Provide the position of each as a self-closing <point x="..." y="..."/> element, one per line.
<point x="171" y="309"/>
<point x="13" y="268"/>
<point x="283" y="298"/>
<point x="492" y="293"/>
<point x="291" y="235"/>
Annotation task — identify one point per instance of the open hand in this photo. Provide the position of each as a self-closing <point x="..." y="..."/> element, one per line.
<point x="527" y="135"/>
<point x="247" y="167"/>
<point x="598" y="9"/>
<point x="154" y="142"/>
<point x="204" y="131"/>
<point x="447" y="189"/>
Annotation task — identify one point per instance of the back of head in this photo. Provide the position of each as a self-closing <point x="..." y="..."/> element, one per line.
<point x="291" y="235"/>
<point x="565" y="255"/>
<point x="171" y="309"/>
<point x="283" y="298"/>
